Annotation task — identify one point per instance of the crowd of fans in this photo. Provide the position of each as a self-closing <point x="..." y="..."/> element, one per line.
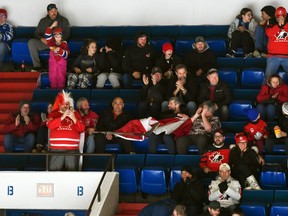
<point x="187" y="88"/>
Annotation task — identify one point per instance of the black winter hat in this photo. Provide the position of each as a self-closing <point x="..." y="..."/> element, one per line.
<point x="269" y="10"/>
<point x="114" y="44"/>
<point x="188" y="169"/>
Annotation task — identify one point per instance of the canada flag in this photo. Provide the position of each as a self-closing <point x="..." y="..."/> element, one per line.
<point x="138" y="129"/>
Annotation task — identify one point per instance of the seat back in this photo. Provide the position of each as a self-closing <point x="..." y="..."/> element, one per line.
<point x="159" y="160"/>
<point x="259" y="196"/>
<point x="254" y="209"/>
<point x="153" y="181"/>
<point x="280" y="196"/>
<point x="279" y="209"/>
<point x="175" y="176"/>
<point x="236" y="110"/>
<point x="128" y="181"/>
<point x="229" y="76"/>
<point x="252" y="78"/>
<point x="273" y="179"/>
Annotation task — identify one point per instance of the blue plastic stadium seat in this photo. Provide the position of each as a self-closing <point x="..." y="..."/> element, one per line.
<point x="128" y="180"/>
<point x="113" y="148"/>
<point x="101" y="99"/>
<point x="218" y="46"/>
<point x="159" y="160"/>
<point x="229" y="76"/>
<point x="141" y="146"/>
<point x="273" y="180"/>
<point x="236" y="109"/>
<point x="192" y="149"/>
<point x="245" y="94"/>
<point x="44" y="55"/>
<point x="157" y="44"/>
<point x="183" y="46"/>
<point x="284" y="76"/>
<point x="257" y="196"/>
<point x="252" y="78"/>
<point x="182" y="160"/>
<point x="131" y="99"/>
<point x="161" y="148"/>
<point x="280" y="159"/>
<point x="130" y="160"/>
<point x="254" y="63"/>
<point x="39" y="106"/>
<point x="44" y="81"/>
<point x="20" y="51"/>
<point x="235" y="63"/>
<point x="175" y="176"/>
<point x="75" y="46"/>
<point x="153" y="181"/>
<point x="44" y="94"/>
<point x="254" y="209"/>
<point x="279" y="209"/>
<point x="281" y="196"/>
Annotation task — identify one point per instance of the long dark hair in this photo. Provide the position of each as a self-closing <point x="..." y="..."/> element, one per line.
<point x="243" y="12"/>
<point x="87" y="42"/>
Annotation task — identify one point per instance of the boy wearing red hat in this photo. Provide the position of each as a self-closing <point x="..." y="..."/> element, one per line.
<point x="59" y="52"/>
<point x="277" y="43"/>
<point x="6" y="35"/>
<point x="168" y="61"/>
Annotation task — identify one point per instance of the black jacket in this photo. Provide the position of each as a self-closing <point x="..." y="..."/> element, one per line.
<point x="108" y="123"/>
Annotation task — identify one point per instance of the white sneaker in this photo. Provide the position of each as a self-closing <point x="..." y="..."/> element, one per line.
<point x="256" y="54"/>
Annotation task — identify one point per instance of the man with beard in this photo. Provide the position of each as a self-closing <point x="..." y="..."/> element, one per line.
<point x="90" y="119"/>
<point x="39" y="42"/>
<point x="184" y="86"/>
<point x="138" y="59"/>
<point x="217" y="154"/>
<point x="65" y="127"/>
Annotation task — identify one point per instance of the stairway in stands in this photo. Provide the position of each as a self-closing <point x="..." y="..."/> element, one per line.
<point x="130" y="209"/>
<point x="14" y="87"/>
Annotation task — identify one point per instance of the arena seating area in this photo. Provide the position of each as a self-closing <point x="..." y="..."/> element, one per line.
<point x="156" y="174"/>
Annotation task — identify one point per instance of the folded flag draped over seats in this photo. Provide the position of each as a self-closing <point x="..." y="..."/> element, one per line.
<point x="138" y="129"/>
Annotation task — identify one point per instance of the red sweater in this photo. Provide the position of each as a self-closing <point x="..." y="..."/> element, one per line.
<point x="277" y="41"/>
<point x="252" y="128"/>
<point x="214" y="159"/>
<point x="22" y="129"/>
<point x="267" y="91"/>
<point x="64" y="135"/>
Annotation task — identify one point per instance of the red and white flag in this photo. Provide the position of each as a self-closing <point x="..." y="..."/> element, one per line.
<point x="137" y="129"/>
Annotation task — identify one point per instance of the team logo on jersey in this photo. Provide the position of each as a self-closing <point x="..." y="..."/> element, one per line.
<point x="216" y="157"/>
<point x="281" y="35"/>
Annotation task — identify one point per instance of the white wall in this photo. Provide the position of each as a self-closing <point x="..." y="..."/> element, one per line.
<point x="135" y="12"/>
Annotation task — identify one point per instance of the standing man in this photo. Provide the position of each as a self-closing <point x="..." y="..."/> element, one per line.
<point x="138" y="59"/>
<point x="6" y="35"/>
<point x="111" y="120"/>
<point x="90" y="119"/>
<point x="21" y="127"/>
<point x="277" y="43"/>
<point x="65" y="127"/>
<point x="39" y="42"/>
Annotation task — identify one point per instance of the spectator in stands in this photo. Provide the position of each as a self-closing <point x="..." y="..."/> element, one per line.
<point x="218" y="92"/>
<point x="281" y="131"/>
<point x="90" y="120"/>
<point x="110" y="59"/>
<point x="168" y="140"/>
<point x="238" y="212"/>
<point x="65" y="126"/>
<point x="277" y="43"/>
<point x="179" y="210"/>
<point x="256" y="130"/>
<point x="217" y="154"/>
<point x="213" y="209"/>
<point x="59" y="52"/>
<point x="109" y="121"/>
<point x="138" y="59"/>
<point x="184" y="86"/>
<point x="244" y="163"/>
<point x="21" y="127"/>
<point x="241" y="33"/>
<point x="42" y="133"/>
<point x="188" y="192"/>
<point x="6" y="35"/>
<point x="85" y="68"/>
<point x="200" y="60"/>
<point x="152" y="94"/>
<point x="39" y="43"/>
<point x="261" y="40"/>
<point x="226" y="190"/>
<point x="204" y="124"/>
<point x="168" y="61"/>
<point x="271" y="97"/>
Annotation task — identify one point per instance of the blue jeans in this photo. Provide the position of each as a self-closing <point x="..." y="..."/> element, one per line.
<point x="267" y="111"/>
<point x="28" y="141"/>
<point x="261" y="39"/>
<point x="273" y="64"/>
<point x="127" y="80"/>
<point x="4" y="48"/>
<point x="90" y="144"/>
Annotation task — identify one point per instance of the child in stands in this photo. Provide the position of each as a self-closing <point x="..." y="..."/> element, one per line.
<point x="58" y="55"/>
<point x="256" y="130"/>
<point x="241" y="33"/>
<point x="85" y="67"/>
